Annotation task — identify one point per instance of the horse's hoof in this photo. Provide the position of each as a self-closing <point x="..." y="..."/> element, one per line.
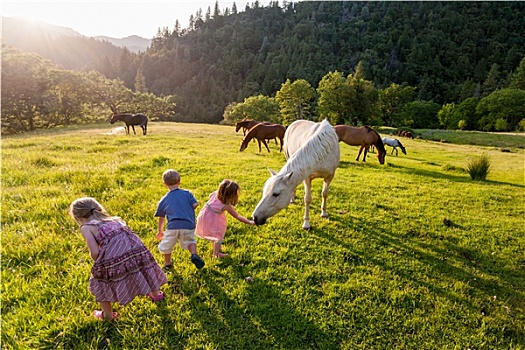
<point x="307" y="228"/>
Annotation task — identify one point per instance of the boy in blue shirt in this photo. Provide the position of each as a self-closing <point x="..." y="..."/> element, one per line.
<point x="178" y="206"/>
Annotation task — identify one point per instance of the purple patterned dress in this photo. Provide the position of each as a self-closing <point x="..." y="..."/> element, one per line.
<point x="125" y="267"/>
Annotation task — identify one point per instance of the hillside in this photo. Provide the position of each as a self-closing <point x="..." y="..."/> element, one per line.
<point x="133" y="43"/>
<point x="66" y="47"/>
<point x="447" y="51"/>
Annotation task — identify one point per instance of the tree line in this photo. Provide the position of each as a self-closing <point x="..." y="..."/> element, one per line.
<point x="455" y="65"/>
<point x="38" y="94"/>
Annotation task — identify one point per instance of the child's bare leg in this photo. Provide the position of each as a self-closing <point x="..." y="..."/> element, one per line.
<point x="217" y="250"/>
<point x="107" y="309"/>
<point x="167" y="259"/>
<point x="192" y="248"/>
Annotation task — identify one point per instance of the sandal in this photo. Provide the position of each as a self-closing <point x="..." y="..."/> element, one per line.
<point x="100" y="315"/>
<point x="158" y="297"/>
<point x="168" y="266"/>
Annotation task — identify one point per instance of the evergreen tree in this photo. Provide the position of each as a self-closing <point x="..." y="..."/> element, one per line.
<point x="517" y="80"/>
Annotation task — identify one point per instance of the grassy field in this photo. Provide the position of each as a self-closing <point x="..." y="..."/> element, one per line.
<point x="382" y="272"/>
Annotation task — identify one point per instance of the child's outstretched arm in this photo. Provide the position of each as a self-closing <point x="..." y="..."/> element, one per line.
<point x="231" y="210"/>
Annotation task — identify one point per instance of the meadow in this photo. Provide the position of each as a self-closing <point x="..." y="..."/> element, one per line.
<point x="414" y="255"/>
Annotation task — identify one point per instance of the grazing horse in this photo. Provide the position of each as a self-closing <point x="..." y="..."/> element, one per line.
<point x="132" y="120"/>
<point x="245" y="124"/>
<point x="312" y="151"/>
<point x="394" y="143"/>
<point x="364" y="136"/>
<point x="262" y="132"/>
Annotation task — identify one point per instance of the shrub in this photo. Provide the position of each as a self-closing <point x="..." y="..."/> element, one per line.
<point x="501" y="124"/>
<point x="479" y="167"/>
<point x="521" y="125"/>
<point x="462" y="124"/>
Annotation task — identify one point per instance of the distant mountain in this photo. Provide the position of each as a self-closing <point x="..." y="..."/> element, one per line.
<point x="27" y="34"/>
<point x="134" y="43"/>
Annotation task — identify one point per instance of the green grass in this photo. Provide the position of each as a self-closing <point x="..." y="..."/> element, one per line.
<point x="383" y="272"/>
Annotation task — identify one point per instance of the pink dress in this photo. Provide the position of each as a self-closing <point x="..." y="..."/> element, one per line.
<point x="211" y="221"/>
<point x="124" y="267"/>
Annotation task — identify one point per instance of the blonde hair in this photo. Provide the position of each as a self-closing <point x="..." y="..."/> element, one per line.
<point x="88" y="207"/>
<point x="228" y="192"/>
<point x="171" y="177"/>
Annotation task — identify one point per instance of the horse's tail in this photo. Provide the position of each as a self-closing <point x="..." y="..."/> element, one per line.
<point x="379" y="144"/>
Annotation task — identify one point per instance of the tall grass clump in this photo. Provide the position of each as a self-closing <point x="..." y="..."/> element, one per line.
<point x="478" y="168"/>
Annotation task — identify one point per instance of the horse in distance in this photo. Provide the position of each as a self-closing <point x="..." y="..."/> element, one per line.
<point x="363" y="136"/>
<point x="394" y="143"/>
<point x="247" y="124"/>
<point x="262" y="132"/>
<point x="131" y="120"/>
<point x="312" y="151"/>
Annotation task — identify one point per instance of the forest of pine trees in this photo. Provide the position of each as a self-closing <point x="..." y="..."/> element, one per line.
<point x="440" y="53"/>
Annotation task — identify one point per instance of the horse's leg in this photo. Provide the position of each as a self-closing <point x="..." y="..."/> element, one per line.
<point x="281" y="142"/>
<point x="364" y="153"/>
<point x="133" y="127"/>
<point x="307" y="200"/>
<point x="359" y="154"/>
<point x="324" y="193"/>
<point x="259" y="145"/>
<point x="127" y="129"/>
<point x="396" y="150"/>
<point x="265" y="144"/>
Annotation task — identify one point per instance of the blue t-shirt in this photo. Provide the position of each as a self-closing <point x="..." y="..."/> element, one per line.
<point x="177" y="207"/>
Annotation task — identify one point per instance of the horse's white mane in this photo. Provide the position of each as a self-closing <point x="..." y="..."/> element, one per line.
<point x="315" y="149"/>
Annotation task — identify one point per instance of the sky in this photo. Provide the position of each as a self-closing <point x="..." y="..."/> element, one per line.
<point x="116" y="19"/>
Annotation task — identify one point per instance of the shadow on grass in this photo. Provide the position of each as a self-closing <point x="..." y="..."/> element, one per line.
<point x="95" y="334"/>
<point x="446" y="261"/>
<point x="444" y="176"/>
<point x="260" y="319"/>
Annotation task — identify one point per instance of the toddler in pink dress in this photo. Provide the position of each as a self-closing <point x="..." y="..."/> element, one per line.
<point x="211" y="221"/>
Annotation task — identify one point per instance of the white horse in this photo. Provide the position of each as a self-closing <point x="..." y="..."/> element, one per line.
<point x="394" y="143"/>
<point x="312" y="151"/>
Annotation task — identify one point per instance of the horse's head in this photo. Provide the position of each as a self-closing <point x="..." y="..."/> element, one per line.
<point x="243" y="145"/>
<point x="277" y="194"/>
<point x="113" y="119"/>
<point x="238" y="126"/>
<point x="381" y="154"/>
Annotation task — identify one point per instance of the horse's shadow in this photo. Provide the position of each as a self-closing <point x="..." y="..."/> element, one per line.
<point x="450" y="177"/>
<point x="441" y="259"/>
<point x="249" y="314"/>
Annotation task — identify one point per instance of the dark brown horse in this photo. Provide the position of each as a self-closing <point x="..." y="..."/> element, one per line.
<point x="247" y="124"/>
<point x="132" y="120"/>
<point x="364" y="136"/>
<point x="262" y="132"/>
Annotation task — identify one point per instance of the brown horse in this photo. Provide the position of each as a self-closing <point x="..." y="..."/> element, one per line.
<point x="262" y="132"/>
<point x="364" y="136"/>
<point x="132" y="120"/>
<point x="247" y="124"/>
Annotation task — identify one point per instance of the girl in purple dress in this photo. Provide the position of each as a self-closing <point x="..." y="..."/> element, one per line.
<point x="211" y="222"/>
<point x="123" y="267"/>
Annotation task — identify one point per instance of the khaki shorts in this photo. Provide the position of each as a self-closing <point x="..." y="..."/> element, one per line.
<point x="171" y="237"/>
